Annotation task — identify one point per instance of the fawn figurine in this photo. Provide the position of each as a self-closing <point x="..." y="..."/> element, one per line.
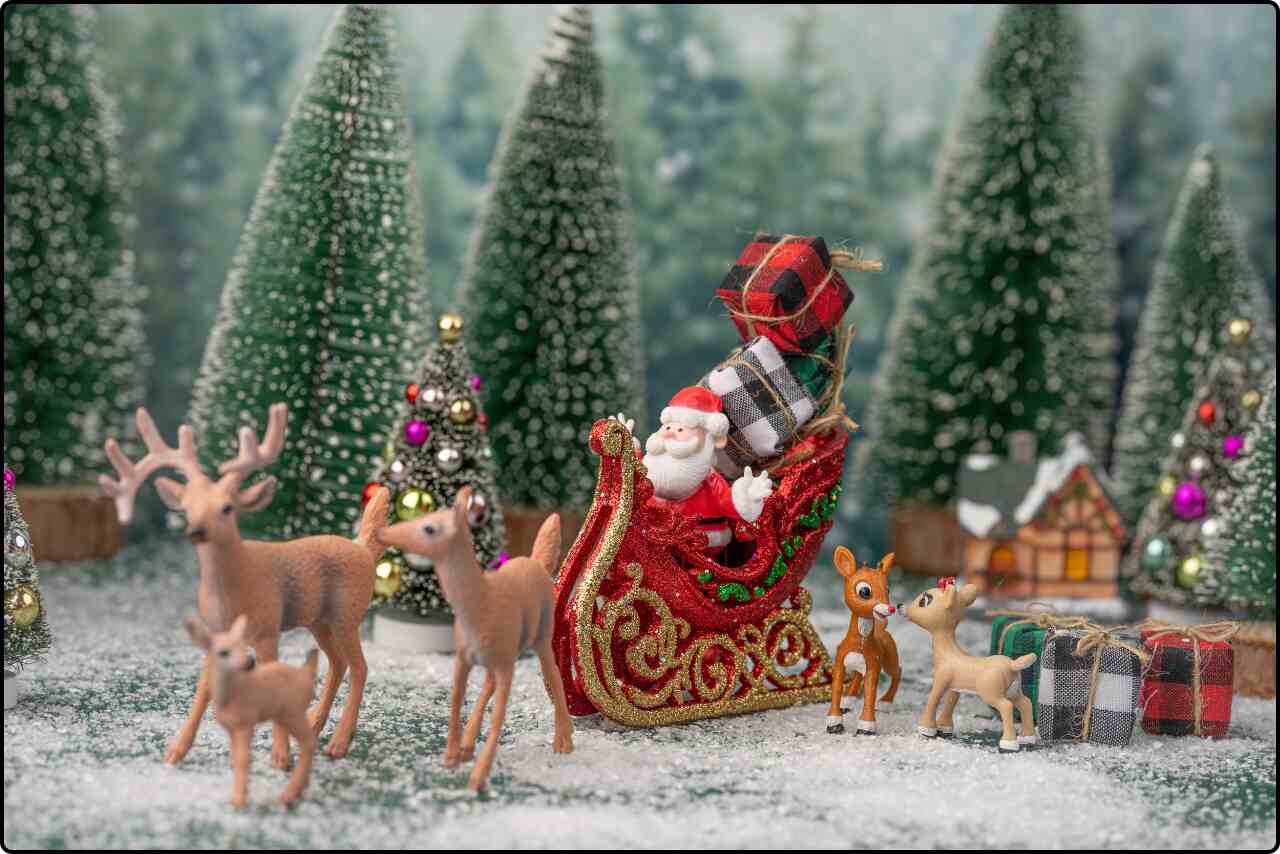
<point x="868" y="642"/>
<point x="245" y="694"/>
<point x="498" y="615"/>
<point x="324" y="583"/>
<point x="994" y="678"/>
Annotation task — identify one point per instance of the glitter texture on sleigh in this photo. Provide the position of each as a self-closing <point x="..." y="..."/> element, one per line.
<point x="650" y="631"/>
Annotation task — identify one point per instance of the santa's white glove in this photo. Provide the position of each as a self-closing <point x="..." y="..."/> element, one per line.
<point x="749" y="493"/>
<point x="630" y="424"/>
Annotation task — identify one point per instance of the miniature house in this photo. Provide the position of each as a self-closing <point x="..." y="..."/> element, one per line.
<point x="1038" y="526"/>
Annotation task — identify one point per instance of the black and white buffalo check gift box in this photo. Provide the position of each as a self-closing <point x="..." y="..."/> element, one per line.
<point x="763" y="400"/>
<point x="1088" y="692"/>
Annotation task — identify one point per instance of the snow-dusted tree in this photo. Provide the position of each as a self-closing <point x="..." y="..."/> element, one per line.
<point x="1243" y="555"/>
<point x="553" y="313"/>
<point x="439" y="446"/>
<point x="1190" y="503"/>
<point x="1202" y="280"/>
<point x="322" y="308"/>
<point x="74" y="354"/>
<point x="1006" y="321"/>
<point x="26" y="631"/>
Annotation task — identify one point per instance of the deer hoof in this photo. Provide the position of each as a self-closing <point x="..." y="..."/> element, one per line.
<point x="835" y="726"/>
<point x="866" y="728"/>
<point x="563" y="745"/>
<point x="452" y="760"/>
<point x="1028" y="741"/>
<point x="1008" y="746"/>
<point x="477" y="782"/>
<point x="946" y="732"/>
<point x="175" y="755"/>
<point x="337" y="749"/>
<point x="927" y="731"/>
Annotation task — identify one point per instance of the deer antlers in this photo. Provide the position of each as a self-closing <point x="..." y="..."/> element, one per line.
<point x="252" y="457"/>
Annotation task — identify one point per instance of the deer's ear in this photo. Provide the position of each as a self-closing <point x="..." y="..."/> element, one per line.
<point x="460" y="505"/>
<point x="238" y="627"/>
<point x="171" y="492"/>
<point x="846" y="564"/>
<point x="256" y="497"/>
<point x="968" y="594"/>
<point x="198" y="631"/>
<point x="886" y="562"/>
<point x="949" y="592"/>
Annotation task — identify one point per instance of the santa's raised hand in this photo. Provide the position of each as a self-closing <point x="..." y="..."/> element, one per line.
<point x="749" y="493"/>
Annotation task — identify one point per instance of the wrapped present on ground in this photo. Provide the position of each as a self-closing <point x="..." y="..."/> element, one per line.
<point x="1089" y="685"/>
<point x="786" y="289"/>
<point x="763" y="401"/>
<point x="1186" y="689"/>
<point x="1016" y="633"/>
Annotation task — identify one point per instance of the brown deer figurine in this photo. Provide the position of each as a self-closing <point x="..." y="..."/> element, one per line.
<point x="868" y="642"/>
<point x="324" y="583"/>
<point x="245" y="695"/>
<point x="497" y="615"/>
<point x="994" y="678"/>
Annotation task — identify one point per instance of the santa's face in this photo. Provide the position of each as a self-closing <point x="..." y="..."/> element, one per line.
<point x="678" y="459"/>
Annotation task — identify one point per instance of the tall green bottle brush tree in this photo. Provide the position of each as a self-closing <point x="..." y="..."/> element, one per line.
<point x="1006" y="322"/>
<point x="26" y="630"/>
<point x="325" y="301"/>
<point x="553" y="313"/>
<point x="74" y="354"/>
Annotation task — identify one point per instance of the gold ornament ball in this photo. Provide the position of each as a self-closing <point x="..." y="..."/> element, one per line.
<point x="1189" y="571"/>
<point x="413" y="503"/>
<point x="1167" y="485"/>
<point x="23" y="604"/>
<point x="1251" y="398"/>
<point x="462" y="411"/>
<point x="387" y="577"/>
<point x="450" y="326"/>
<point x="1238" y="330"/>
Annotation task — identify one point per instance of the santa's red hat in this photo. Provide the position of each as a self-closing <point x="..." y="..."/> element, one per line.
<point x="697" y="407"/>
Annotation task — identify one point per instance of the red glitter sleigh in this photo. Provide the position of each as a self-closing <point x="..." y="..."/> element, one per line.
<point x="651" y="631"/>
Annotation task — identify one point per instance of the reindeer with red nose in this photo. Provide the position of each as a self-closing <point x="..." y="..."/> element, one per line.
<point x="867" y="643"/>
<point x="323" y="583"/>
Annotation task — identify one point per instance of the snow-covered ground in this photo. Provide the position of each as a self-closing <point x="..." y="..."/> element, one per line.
<point x="82" y="761"/>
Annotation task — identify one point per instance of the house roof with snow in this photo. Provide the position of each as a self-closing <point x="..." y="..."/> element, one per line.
<point x="996" y="496"/>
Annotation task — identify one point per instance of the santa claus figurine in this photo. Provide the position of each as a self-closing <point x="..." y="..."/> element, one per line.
<point x="679" y="460"/>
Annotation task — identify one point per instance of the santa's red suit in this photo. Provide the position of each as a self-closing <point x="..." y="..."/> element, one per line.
<point x="711" y="507"/>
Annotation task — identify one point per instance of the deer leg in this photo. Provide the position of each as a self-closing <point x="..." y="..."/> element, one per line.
<point x="268" y="650"/>
<point x="928" y="726"/>
<point x="336" y="666"/>
<point x="870" y="684"/>
<point x="472" y="731"/>
<point x="348" y="641"/>
<point x="892" y="667"/>
<point x="480" y="773"/>
<point x="946" y="719"/>
<point x="301" y="729"/>
<point x="555" y="689"/>
<point x="240" y="754"/>
<point x="1027" y="717"/>
<point x="1008" y="738"/>
<point x="178" y="750"/>
<point x="834" y="725"/>
<point x="452" y="752"/>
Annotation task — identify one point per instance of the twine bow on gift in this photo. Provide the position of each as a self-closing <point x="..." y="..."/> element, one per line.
<point x="1096" y="640"/>
<point x="1219" y="632"/>
<point x="1044" y="618"/>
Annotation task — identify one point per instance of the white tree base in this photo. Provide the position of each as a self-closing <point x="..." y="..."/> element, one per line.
<point x="10" y="690"/>
<point x="409" y="633"/>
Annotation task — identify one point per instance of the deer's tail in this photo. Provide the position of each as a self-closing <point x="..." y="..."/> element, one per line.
<point x="1022" y="662"/>
<point x="373" y="521"/>
<point x="546" y="546"/>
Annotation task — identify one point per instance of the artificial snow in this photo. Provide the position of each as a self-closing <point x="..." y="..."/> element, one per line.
<point x="1050" y="474"/>
<point x="83" y="748"/>
<point x="976" y="518"/>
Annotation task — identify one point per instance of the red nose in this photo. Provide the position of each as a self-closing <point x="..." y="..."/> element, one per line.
<point x="891" y="609"/>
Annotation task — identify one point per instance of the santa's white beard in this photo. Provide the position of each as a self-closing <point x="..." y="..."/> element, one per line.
<point x="677" y="470"/>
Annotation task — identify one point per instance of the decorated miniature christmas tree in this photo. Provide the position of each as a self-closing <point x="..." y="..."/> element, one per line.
<point x="321" y="308"/>
<point x="439" y="446"/>
<point x="1202" y="280"/>
<point x="26" y="632"/>
<point x="1241" y="559"/>
<point x="74" y="354"/>
<point x="1007" y="319"/>
<point x="553" y="310"/>
<point x="1189" y="505"/>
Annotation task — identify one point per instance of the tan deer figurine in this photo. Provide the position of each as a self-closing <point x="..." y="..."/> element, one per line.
<point x="245" y="694"/>
<point x="994" y="678"/>
<point x="497" y="615"/>
<point x="324" y="583"/>
<point x="867" y="642"/>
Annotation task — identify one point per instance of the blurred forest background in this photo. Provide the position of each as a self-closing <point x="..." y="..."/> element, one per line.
<point x="811" y="119"/>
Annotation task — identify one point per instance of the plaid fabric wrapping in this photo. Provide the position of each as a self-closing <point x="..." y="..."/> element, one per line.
<point x="764" y="403"/>
<point x="1167" y="702"/>
<point x="1064" y="692"/>
<point x="813" y="370"/>
<point x="782" y="288"/>
<point x="1016" y="641"/>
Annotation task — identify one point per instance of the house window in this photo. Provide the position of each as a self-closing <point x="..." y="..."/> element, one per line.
<point x="1077" y="565"/>
<point x="1001" y="561"/>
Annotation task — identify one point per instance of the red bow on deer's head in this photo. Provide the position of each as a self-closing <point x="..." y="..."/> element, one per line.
<point x="946" y="581"/>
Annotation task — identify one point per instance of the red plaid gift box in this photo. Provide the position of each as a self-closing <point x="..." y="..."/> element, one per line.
<point x="788" y="290"/>
<point x="1170" y="684"/>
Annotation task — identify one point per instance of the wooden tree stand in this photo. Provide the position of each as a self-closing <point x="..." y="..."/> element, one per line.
<point x="70" y="522"/>
<point x="926" y="540"/>
<point x="1255" y="650"/>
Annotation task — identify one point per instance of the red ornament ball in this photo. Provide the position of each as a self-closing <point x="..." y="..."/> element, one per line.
<point x="482" y="421"/>
<point x="370" y="489"/>
<point x="411" y="392"/>
<point x="1207" y="413"/>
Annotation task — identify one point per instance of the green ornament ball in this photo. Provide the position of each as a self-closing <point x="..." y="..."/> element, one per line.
<point x="1156" y="553"/>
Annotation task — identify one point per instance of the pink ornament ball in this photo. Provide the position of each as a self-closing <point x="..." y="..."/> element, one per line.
<point x="416" y="432"/>
<point x="1232" y="446"/>
<point x="1188" y="500"/>
<point x="498" y="561"/>
<point x="10" y="479"/>
<point x="475" y="382"/>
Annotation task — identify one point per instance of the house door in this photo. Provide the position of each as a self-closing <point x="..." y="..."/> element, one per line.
<point x="1077" y="565"/>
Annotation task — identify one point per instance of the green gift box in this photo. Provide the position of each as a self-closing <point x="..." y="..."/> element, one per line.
<point x="1014" y="636"/>
<point x="813" y="369"/>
